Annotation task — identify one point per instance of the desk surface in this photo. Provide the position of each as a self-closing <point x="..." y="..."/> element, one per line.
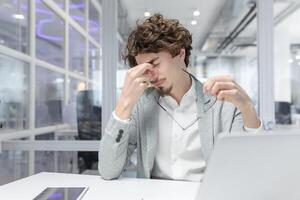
<point x="125" y="188"/>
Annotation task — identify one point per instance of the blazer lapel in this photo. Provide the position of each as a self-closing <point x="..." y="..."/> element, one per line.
<point x="150" y="112"/>
<point x="205" y="123"/>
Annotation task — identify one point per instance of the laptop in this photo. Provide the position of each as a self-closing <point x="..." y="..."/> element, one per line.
<point x="254" y="167"/>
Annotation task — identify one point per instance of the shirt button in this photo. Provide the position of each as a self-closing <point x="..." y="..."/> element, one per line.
<point x="121" y="132"/>
<point x="118" y="139"/>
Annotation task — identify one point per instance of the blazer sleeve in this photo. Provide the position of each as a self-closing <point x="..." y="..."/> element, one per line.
<point x="116" y="146"/>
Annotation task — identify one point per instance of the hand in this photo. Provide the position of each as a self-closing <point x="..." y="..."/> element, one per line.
<point x="137" y="80"/>
<point x="226" y="89"/>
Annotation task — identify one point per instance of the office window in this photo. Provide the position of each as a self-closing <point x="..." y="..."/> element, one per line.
<point x="94" y="62"/>
<point x="14" y="23"/>
<point x="60" y="3"/>
<point x="14" y="165"/>
<point x="230" y="48"/>
<point x="77" y="11"/>
<point x="14" y="94"/>
<point x="70" y="110"/>
<point x="54" y="99"/>
<point x="53" y="161"/>
<point x="121" y="68"/>
<point x="287" y="62"/>
<point x="96" y="87"/>
<point x="49" y="35"/>
<point x="75" y="87"/>
<point x="94" y="22"/>
<point x="77" y="49"/>
<point x="49" y="98"/>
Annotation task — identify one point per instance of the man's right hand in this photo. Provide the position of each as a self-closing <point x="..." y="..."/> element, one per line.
<point x="137" y="80"/>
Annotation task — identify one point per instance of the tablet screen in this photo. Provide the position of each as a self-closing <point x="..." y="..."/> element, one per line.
<point x="62" y="193"/>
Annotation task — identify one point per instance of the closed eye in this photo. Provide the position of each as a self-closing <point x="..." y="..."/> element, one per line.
<point x="156" y="65"/>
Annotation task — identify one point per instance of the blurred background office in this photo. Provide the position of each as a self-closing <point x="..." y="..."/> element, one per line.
<point x="61" y="68"/>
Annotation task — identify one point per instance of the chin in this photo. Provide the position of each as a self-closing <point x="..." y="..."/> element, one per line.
<point x="164" y="91"/>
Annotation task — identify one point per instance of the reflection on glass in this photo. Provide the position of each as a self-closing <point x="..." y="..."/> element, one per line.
<point x="77" y="51"/>
<point x="49" y="35"/>
<point x="94" y="22"/>
<point x="94" y="62"/>
<point x="60" y="3"/>
<point x="120" y="51"/>
<point x="96" y="88"/>
<point x="77" y="10"/>
<point x="14" y="165"/>
<point x="230" y="48"/>
<point x="14" y="98"/>
<point x="287" y="62"/>
<point x="70" y="112"/>
<point x="75" y="87"/>
<point x="50" y="161"/>
<point x="88" y="115"/>
<point x="14" y="23"/>
<point x="49" y="97"/>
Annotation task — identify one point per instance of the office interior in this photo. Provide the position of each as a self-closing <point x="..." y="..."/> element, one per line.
<point x="60" y="79"/>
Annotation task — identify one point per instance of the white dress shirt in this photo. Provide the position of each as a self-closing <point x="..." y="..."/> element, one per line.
<point x="179" y="155"/>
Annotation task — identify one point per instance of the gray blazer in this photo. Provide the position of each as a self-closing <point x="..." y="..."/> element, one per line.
<point x="121" y="139"/>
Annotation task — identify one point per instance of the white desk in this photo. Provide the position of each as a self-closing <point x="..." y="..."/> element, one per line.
<point x="122" y="189"/>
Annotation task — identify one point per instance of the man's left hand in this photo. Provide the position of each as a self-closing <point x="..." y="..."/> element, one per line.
<point x="224" y="88"/>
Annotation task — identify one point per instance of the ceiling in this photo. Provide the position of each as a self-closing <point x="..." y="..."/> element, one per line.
<point x="181" y="10"/>
<point x="217" y="19"/>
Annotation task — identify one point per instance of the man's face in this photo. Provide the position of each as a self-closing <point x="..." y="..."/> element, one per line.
<point x="166" y="71"/>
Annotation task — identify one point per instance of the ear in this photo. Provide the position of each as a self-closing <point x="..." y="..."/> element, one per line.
<point x="182" y="53"/>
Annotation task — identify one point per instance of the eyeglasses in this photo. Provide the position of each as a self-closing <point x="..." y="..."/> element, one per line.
<point x="193" y="122"/>
<point x="183" y="128"/>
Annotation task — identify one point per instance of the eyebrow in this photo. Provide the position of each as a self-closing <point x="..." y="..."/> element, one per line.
<point x="152" y="61"/>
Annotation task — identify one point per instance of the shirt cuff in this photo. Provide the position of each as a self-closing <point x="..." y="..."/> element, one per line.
<point x="254" y="130"/>
<point x="127" y="121"/>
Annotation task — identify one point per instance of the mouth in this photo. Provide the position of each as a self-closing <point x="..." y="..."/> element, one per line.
<point x="158" y="82"/>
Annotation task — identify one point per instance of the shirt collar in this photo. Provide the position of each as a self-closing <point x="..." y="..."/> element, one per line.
<point x="190" y="95"/>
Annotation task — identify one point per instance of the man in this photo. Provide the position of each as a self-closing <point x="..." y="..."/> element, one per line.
<point x="165" y="113"/>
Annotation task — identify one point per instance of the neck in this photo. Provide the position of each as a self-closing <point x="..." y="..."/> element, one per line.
<point x="183" y="84"/>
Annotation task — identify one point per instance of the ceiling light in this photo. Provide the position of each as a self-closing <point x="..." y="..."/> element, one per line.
<point x="147" y="14"/>
<point x="194" y="22"/>
<point x="291" y="60"/>
<point x="18" y="16"/>
<point x="298" y="57"/>
<point x="196" y="13"/>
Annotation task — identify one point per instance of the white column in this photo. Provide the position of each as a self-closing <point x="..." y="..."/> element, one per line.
<point x="32" y="16"/>
<point x="265" y="63"/>
<point x="110" y="58"/>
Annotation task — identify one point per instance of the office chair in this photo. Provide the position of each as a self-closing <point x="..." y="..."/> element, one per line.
<point x="89" y="127"/>
<point x="283" y="112"/>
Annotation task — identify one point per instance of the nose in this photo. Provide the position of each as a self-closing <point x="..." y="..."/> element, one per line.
<point x="153" y="74"/>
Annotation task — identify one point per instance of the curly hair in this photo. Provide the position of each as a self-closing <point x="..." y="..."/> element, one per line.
<point x="157" y="34"/>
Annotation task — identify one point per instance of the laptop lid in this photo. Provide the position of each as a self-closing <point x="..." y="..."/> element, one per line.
<point x="253" y="167"/>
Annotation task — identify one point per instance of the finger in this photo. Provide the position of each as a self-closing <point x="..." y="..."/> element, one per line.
<point x="211" y="81"/>
<point x="143" y="79"/>
<point x="143" y="85"/>
<point x="218" y="86"/>
<point x="227" y="95"/>
<point x="139" y="70"/>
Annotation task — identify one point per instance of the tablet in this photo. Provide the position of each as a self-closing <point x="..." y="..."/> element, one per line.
<point x="62" y="193"/>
